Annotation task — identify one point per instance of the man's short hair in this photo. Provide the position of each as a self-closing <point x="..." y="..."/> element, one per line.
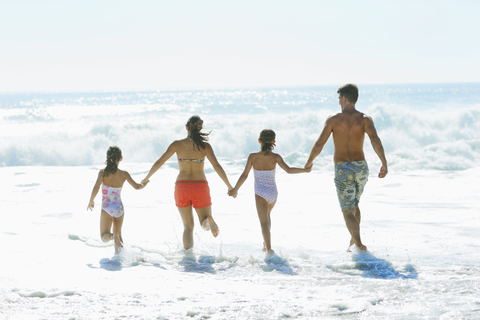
<point x="349" y="91"/>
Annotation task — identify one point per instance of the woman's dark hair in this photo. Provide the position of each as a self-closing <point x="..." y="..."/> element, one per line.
<point x="114" y="154"/>
<point x="267" y="137"/>
<point x="195" y="125"/>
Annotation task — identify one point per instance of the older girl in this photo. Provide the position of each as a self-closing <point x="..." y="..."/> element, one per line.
<point x="264" y="163"/>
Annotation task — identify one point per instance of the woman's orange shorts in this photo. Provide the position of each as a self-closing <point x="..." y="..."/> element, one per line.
<point x="192" y="192"/>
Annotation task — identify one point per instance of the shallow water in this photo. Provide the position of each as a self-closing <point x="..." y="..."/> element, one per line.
<point x="421" y="229"/>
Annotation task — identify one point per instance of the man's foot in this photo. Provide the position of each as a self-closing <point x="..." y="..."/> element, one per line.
<point x="350" y="245"/>
<point x="270" y="252"/>
<point x="213" y="226"/>
<point x="362" y="247"/>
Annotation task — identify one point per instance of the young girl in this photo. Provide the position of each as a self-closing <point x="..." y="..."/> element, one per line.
<point x="112" y="179"/>
<point x="264" y="163"/>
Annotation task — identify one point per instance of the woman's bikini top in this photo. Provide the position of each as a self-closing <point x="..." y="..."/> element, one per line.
<point x="193" y="160"/>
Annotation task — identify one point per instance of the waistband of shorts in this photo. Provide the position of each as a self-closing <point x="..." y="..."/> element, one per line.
<point x="351" y="163"/>
<point x="191" y="181"/>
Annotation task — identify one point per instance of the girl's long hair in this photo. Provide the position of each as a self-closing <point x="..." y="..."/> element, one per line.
<point x="114" y="154"/>
<point x="267" y="138"/>
<point x="195" y="125"/>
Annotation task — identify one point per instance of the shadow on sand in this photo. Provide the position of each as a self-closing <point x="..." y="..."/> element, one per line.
<point x="369" y="266"/>
<point x="274" y="262"/>
<point x="203" y="265"/>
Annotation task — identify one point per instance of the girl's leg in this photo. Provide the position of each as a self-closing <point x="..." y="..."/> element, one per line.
<point x="187" y="218"/>
<point x="117" y="232"/>
<point x="263" y="209"/>
<point x="105" y="226"/>
<point x="206" y="220"/>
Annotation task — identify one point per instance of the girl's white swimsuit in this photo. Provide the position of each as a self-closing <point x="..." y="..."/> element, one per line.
<point x="111" y="201"/>
<point x="265" y="185"/>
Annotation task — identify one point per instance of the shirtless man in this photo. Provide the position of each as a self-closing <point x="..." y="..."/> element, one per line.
<point x="351" y="169"/>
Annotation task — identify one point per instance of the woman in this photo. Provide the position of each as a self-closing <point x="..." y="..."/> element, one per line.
<point x="191" y="186"/>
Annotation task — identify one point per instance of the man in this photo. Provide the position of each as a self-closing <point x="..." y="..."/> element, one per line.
<point x="351" y="169"/>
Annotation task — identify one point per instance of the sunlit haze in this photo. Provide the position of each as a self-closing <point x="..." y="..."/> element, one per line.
<point x="154" y="45"/>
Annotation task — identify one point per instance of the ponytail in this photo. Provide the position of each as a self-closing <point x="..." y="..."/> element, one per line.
<point x="267" y="138"/>
<point x="114" y="154"/>
<point x="195" y="125"/>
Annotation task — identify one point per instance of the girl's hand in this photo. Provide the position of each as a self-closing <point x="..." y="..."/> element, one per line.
<point x="91" y="205"/>
<point x="233" y="193"/>
<point x="309" y="168"/>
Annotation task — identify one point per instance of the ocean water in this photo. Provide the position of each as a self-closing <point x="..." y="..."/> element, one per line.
<point x="421" y="223"/>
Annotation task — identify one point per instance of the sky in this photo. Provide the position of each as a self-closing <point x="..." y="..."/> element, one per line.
<point x="63" y="45"/>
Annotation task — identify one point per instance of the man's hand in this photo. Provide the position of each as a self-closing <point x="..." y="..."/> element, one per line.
<point x="383" y="171"/>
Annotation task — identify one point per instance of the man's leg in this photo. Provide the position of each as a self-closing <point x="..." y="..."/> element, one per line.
<point x="352" y="220"/>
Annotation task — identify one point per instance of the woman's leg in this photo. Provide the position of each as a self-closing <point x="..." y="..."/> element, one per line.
<point x="206" y="220"/>
<point x="263" y="209"/>
<point x="105" y="226"/>
<point x="187" y="218"/>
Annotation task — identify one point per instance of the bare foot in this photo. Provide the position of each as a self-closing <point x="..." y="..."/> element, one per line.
<point x="271" y="252"/>
<point x="118" y="241"/>
<point x="350" y="245"/>
<point x="362" y="247"/>
<point x="205" y="224"/>
<point x="213" y="226"/>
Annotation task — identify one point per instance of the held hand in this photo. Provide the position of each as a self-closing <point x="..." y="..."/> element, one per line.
<point x="232" y="193"/>
<point x="309" y="168"/>
<point x="383" y="171"/>
<point x="308" y="164"/>
<point x="91" y="205"/>
<point x="145" y="182"/>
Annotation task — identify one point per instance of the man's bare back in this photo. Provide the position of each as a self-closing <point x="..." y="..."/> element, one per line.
<point x="348" y="136"/>
<point x="348" y="128"/>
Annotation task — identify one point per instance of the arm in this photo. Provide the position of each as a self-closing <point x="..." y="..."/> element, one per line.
<point x="242" y="177"/>
<point x="377" y="145"/>
<point x="289" y="169"/>
<point x="218" y="168"/>
<point x="322" y="139"/>
<point x="172" y="148"/>
<point x="136" y="186"/>
<point x="96" y="187"/>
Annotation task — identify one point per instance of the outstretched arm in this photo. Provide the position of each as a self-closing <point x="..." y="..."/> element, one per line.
<point x="242" y="178"/>
<point x="161" y="161"/>
<point x="96" y="187"/>
<point x="216" y="165"/>
<point x="132" y="182"/>
<point x="289" y="169"/>
<point x="377" y="145"/>
<point x="322" y="139"/>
